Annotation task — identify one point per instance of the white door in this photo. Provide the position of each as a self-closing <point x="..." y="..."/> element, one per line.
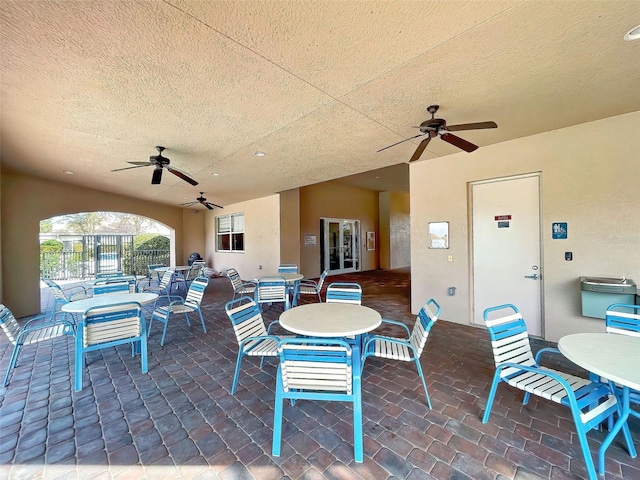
<point x="506" y="247"/>
<point x="340" y="246"/>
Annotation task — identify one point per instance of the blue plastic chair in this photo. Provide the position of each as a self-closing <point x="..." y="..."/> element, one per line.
<point x="109" y="274"/>
<point x="288" y="268"/>
<point x="591" y="403"/>
<point x="318" y="369"/>
<point x="622" y="319"/>
<point x="177" y="304"/>
<point x="103" y="327"/>
<point x="63" y="296"/>
<point x="272" y="289"/>
<point x="109" y="287"/>
<point x="309" y="287"/>
<point x="253" y="338"/>
<point x="408" y="349"/>
<point x="343" y="292"/>
<point x="240" y="287"/>
<point x="39" y="329"/>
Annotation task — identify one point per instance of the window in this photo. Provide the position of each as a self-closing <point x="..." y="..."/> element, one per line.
<point x="230" y="233"/>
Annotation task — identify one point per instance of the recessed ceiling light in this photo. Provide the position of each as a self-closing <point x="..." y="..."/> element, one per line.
<point x="215" y="174"/>
<point x="68" y="172"/>
<point x="633" y="34"/>
<point x="259" y="154"/>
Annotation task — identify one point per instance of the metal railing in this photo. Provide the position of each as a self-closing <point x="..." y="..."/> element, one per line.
<point x="68" y="265"/>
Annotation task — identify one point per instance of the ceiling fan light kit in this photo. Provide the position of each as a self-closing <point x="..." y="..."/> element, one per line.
<point x="160" y="163"/>
<point x="203" y="201"/>
<point x="434" y="127"/>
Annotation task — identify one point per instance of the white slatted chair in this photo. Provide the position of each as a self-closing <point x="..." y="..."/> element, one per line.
<point x="109" y="287"/>
<point x="240" y="287"/>
<point x="318" y="369"/>
<point x="39" y="329"/>
<point x="288" y="268"/>
<point x="177" y="304"/>
<point x="153" y="274"/>
<point x="161" y="288"/>
<point x="103" y="327"/>
<point x="253" y="338"/>
<point x="408" y="349"/>
<point x="63" y="296"/>
<point x="272" y="289"/>
<point x="590" y="402"/>
<point x="343" y="292"/>
<point x="309" y="287"/>
<point x="194" y="272"/>
<point x="622" y="319"/>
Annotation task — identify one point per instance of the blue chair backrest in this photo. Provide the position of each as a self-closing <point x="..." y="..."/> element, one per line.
<point x="509" y="336"/>
<point x="343" y="292"/>
<point x="111" y="287"/>
<point x="246" y="318"/>
<point x="118" y="323"/>
<point x="288" y="268"/>
<point x="271" y="289"/>
<point x="623" y="319"/>
<point x="109" y="274"/>
<point x="427" y="316"/>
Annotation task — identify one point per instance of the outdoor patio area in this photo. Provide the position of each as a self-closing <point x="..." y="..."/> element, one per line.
<point x="180" y="420"/>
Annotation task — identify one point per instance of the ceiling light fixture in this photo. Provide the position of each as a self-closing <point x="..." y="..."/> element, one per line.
<point x="259" y="154"/>
<point x="215" y="174"/>
<point x="68" y="172"/>
<point x="633" y="34"/>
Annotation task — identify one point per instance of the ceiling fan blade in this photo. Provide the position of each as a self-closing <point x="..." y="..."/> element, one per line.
<point x="420" y="149"/>
<point x="401" y="141"/>
<point x="157" y="176"/>
<point x="459" y="142"/>
<point x="143" y="164"/>
<point x="209" y="207"/>
<point x="181" y="175"/>
<point x="471" y="126"/>
<point x="208" y="204"/>
<point x="188" y="204"/>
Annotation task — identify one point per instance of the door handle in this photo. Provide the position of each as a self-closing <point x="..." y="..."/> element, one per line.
<point x="532" y="277"/>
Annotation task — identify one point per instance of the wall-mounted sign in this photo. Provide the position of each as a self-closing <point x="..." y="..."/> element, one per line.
<point x="503" y="224"/>
<point x="438" y="234"/>
<point x="559" y="230"/>
<point x="502" y="217"/>
<point x="309" y="240"/>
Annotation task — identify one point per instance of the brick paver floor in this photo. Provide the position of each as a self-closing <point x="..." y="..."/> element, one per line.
<point x="180" y="421"/>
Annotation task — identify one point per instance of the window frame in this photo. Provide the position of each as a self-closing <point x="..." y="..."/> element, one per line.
<point x="230" y="233"/>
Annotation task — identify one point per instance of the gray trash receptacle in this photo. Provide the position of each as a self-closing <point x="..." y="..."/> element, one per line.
<point x="600" y="292"/>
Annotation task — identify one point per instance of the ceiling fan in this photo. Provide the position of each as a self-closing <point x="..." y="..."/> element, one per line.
<point x="438" y="126"/>
<point x="203" y="201"/>
<point x="160" y="163"/>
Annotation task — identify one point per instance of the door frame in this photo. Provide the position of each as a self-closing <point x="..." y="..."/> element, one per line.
<point x="470" y="185"/>
<point x="324" y="245"/>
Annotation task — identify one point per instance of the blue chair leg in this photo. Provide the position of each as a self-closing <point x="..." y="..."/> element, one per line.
<point x="424" y="383"/>
<point x="164" y="331"/>
<point x="78" y="362"/>
<point x="234" y="385"/>
<point x="277" y="417"/>
<point x="358" y="448"/>
<point x="12" y="363"/>
<point x="204" y="329"/>
<point x="186" y="315"/>
<point x="492" y="394"/>
<point x="143" y="353"/>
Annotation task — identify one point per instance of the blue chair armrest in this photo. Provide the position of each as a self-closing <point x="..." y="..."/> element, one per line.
<point x="271" y="325"/>
<point x="546" y="350"/>
<point x="400" y="324"/>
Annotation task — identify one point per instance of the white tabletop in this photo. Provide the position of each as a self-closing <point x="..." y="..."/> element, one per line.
<point x="179" y="268"/>
<point x="616" y="357"/>
<point x="81" y="306"/>
<point x="330" y="319"/>
<point x="288" y="277"/>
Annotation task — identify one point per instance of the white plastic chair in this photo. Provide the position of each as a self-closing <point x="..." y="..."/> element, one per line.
<point x="272" y="289"/>
<point x="39" y="329"/>
<point x="407" y="349"/>
<point x="103" y="327"/>
<point x="344" y="292"/>
<point x="191" y="303"/>
<point x="309" y="287"/>
<point x="318" y="369"/>
<point x="240" y="287"/>
<point x="288" y="268"/>
<point x="111" y="287"/>
<point x="63" y="296"/>
<point x="253" y="338"/>
<point x="590" y="402"/>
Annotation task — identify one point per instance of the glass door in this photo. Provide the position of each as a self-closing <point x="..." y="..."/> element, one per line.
<point x="340" y="246"/>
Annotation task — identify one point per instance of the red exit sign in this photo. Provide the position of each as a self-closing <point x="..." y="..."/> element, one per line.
<point x="502" y="217"/>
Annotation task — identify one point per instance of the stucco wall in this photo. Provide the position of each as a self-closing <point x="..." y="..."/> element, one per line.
<point x="334" y="200"/>
<point x="26" y="200"/>
<point x="399" y="230"/>
<point x="193" y="220"/>
<point x="590" y="178"/>
<point x="290" y="226"/>
<point x="261" y="238"/>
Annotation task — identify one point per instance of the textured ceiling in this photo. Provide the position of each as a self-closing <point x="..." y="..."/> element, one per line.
<point x="319" y="86"/>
